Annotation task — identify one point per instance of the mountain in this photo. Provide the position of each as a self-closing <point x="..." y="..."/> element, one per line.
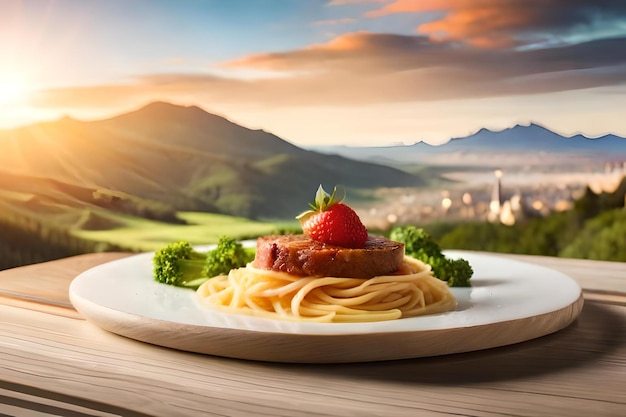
<point x="539" y="139"/>
<point x="183" y="158"/>
<point x="525" y="145"/>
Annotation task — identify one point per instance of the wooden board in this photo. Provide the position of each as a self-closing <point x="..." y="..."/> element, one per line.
<point x="330" y="348"/>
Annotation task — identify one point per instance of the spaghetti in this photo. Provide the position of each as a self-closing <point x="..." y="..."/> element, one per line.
<point x="412" y="291"/>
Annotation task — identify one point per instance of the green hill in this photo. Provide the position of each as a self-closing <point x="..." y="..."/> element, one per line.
<point x="182" y="159"/>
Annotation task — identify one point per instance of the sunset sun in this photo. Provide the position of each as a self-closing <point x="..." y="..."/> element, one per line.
<point x="12" y="89"/>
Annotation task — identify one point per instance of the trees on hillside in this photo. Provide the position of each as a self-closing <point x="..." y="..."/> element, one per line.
<point x="595" y="228"/>
<point x="24" y="241"/>
<point x="602" y="238"/>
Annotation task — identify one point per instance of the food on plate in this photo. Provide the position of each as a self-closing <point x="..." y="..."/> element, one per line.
<point x="179" y="264"/>
<point x="411" y="291"/>
<point x="333" y="222"/>
<point x="301" y="255"/>
<point x="227" y="255"/>
<point x="333" y="272"/>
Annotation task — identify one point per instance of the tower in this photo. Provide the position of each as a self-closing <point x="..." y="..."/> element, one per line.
<point x="495" y="205"/>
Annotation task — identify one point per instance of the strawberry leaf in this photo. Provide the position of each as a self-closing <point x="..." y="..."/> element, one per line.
<point x="323" y="201"/>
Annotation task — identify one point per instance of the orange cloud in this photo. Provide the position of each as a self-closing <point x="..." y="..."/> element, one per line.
<point x="486" y="27"/>
<point x="405" y="6"/>
<point x="361" y="52"/>
<point x="498" y="23"/>
<point x="484" y="23"/>
<point x="346" y="42"/>
<point x="314" y="58"/>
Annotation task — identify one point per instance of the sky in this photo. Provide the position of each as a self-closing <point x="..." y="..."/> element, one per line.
<point x="323" y="72"/>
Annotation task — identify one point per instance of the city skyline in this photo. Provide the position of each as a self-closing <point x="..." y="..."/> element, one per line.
<point x="354" y="72"/>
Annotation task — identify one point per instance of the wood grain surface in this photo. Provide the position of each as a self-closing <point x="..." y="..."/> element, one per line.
<point x="52" y="363"/>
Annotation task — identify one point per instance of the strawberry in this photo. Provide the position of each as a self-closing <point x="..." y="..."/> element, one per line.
<point x="331" y="221"/>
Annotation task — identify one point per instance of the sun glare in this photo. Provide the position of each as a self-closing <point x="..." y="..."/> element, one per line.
<point x="12" y="90"/>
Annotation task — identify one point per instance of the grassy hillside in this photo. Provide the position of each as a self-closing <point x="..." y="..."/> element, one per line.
<point x="146" y="235"/>
<point x="185" y="159"/>
<point x="43" y="219"/>
<point x="25" y="240"/>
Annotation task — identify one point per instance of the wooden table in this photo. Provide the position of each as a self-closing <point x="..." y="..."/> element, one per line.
<point x="54" y="362"/>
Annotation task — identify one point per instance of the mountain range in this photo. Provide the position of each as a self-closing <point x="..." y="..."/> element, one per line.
<point x="164" y="158"/>
<point x="180" y="158"/>
<point x="530" y="144"/>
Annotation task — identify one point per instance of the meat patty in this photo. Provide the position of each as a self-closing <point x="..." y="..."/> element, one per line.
<point x="299" y="255"/>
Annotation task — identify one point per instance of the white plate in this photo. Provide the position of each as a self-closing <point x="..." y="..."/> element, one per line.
<point x="509" y="302"/>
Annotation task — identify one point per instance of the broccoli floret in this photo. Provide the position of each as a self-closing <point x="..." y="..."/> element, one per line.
<point x="417" y="242"/>
<point x="461" y="273"/>
<point x="228" y="254"/>
<point x="456" y="272"/>
<point x="179" y="264"/>
<point x="421" y="246"/>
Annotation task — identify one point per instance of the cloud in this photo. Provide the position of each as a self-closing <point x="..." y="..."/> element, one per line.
<point x="497" y="23"/>
<point x="358" y="52"/>
<point x="417" y="59"/>
<point x="363" y="68"/>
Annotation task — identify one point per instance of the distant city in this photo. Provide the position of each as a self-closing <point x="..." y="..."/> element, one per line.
<point x="492" y="196"/>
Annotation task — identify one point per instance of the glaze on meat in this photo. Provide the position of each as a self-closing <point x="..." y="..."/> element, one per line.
<point x="299" y="255"/>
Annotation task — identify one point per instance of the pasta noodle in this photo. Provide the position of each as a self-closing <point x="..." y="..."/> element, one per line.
<point x="249" y="290"/>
